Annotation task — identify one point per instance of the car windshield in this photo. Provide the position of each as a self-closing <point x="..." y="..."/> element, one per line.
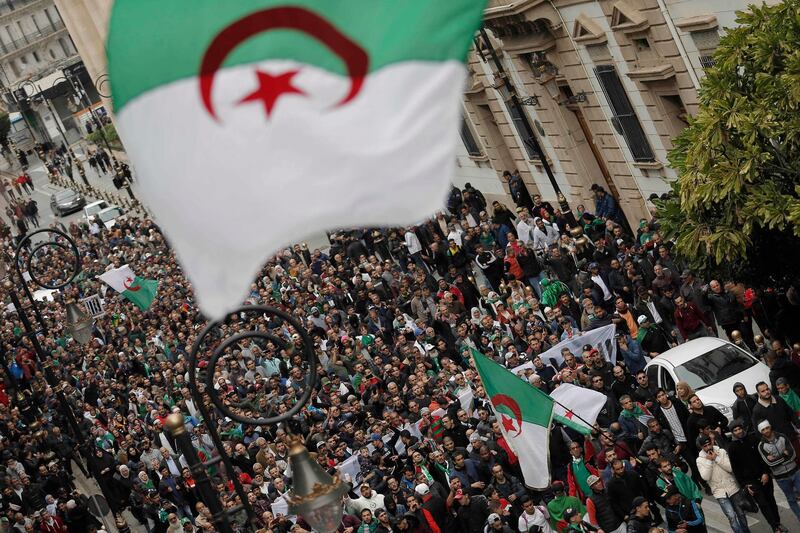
<point x="92" y="209"/>
<point x="712" y="367"/>
<point x="65" y="195"/>
<point x="111" y="214"/>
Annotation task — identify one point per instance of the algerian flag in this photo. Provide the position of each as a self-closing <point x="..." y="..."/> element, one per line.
<point x="256" y="123"/>
<point x="138" y="290"/>
<point x="524" y="414"/>
<point x="575" y="406"/>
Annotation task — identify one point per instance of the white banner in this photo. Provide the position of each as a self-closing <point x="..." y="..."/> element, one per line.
<point x="600" y="338"/>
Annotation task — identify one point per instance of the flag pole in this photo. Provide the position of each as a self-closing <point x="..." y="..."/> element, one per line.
<point x="579" y="417"/>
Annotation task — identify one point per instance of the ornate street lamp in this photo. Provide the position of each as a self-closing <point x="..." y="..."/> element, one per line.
<point x="79" y="324"/>
<point x="315" y="495"/>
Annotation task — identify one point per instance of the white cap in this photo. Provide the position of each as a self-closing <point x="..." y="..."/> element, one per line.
<point x="641" y="320"/>
<point x="764" y="424"/>
<point x="422" y="489"/>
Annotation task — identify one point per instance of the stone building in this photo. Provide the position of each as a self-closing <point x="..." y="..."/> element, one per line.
<point x="34" y="42"/>
<point x="608" y="84"/>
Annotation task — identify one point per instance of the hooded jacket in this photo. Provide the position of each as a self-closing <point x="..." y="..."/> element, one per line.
<point x="718" y="473"/>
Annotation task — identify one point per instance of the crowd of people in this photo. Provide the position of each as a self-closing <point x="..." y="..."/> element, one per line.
<point x="393" y="314"/>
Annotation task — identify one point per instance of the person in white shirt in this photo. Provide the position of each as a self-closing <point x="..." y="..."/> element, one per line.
<point x="524" y="228"/>
<point x="369" y="500"/>
<point x="545" y="234"/>
<point x="415" y="248"/>
<point x="533" y="515"/>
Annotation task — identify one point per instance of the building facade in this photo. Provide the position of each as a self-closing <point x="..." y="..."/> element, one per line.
<point x="608" y="84"/>
<point x="34" y="43"/>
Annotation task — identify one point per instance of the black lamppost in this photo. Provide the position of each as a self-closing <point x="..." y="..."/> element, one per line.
<point x="315" y="495"/>
<point x="77" y="322"/>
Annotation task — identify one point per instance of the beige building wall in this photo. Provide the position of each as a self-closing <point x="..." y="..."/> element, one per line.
<point x="87" y="21"/>
<point x="638" y="63"/>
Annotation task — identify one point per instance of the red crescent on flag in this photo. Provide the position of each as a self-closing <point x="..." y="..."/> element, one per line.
<point x="129" y="286"/>
<point x="507" y="401"/>
<point x="293" y="18"/>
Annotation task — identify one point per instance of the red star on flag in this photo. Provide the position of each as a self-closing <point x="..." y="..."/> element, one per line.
<point x="508" y="424"/>
<point x="569" y="414"/>
<point x="270" y="88"/>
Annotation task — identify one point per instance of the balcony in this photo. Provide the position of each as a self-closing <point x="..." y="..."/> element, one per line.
<point x="29" y="41"/>
<point x="19" y="8"/>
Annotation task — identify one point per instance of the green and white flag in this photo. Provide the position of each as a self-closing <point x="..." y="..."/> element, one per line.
<point x="256" y="123"/>
<point x="138" y="290"/>
<point x="524" y="414"/>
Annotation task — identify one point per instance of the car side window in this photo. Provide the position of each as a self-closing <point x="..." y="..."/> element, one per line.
<point x="652" y="374"/>
<point x="667" y="383"/>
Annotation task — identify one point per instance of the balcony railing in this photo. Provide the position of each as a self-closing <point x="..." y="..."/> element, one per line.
<point x="12" y="9"/>
<point x="30" y="38"/>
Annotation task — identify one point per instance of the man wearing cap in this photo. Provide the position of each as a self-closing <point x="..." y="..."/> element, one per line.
<point x="752" y="473"/>
<point x="640" y="520"/>
<point x="653" y="339"/>
<point x="369" y="499"/>
<point x="495" y="523"/>
<point x="777" y="452"/>
<point x="715" y="467"/>
<point x="433" y="509"/>
<point x="682" y="514"/>
<point x="472" y="513"/>
<point x="559" y="504"/>
<point x="602" y="513"/>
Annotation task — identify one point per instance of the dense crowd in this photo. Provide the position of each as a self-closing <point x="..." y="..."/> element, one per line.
<point x="392" y="314"/>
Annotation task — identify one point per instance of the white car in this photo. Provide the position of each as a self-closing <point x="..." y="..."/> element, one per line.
<point x="93" y="208"/>
<point x="710" y="366"/>
<point x="110" y="215"/>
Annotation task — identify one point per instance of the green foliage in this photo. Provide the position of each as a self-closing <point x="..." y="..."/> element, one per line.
<point x="739" y="159"/>
<point x="111" y="134"/>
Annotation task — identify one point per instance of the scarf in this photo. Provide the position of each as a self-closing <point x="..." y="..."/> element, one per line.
<point x="581" y="474"/>
<point x="793" y="400"/>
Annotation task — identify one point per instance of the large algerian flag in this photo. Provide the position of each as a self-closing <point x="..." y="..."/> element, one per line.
<point x="256" y="123"/>
<point x="138" y="290"/>
<point x="524" y="414"/>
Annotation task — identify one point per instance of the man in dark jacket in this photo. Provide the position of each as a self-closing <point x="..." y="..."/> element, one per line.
<point x="653" y="339"/>
<point x="781" y="366"/>
<point x="706" y="414"/>
<point x="472" y="513"/>
<point x="751" y="473"/>
<point x="726" y="308"/>
<point x="743" y="406"/>
<point x="776" y="411"/>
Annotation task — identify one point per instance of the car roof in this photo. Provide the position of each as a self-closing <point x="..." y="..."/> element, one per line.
<point x="98" y="202"/>
<point x="109" y="208"/>
<point x="689" y="350"/>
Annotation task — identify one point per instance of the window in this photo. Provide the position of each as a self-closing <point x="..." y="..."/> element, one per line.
<point x="470" y="143"/>
<point x="624" y="118"/>
<point x="652" y="373"/>
<point x="36" y="57"/>
<point x="23" y="60"/>
<point x="667" y="383"/>
<point x="707" y="61"/>
<point x="63" y="46"/>
<point x="642" y="44"/>
<point x="52" y="54"/>
<point x="35" y="24"/>
<point x="522" y="126"/>
<point x="712" y="367"/>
